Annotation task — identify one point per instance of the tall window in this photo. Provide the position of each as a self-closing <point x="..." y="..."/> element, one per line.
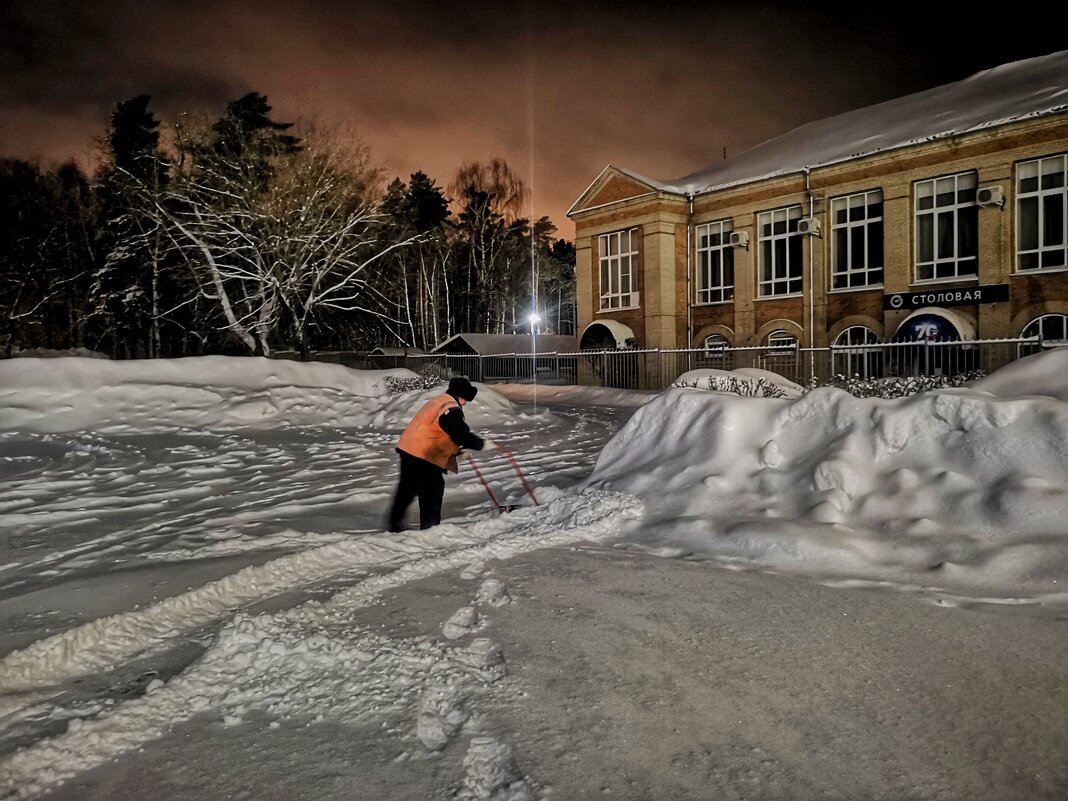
<point x="715" y="263"/>
<point x="855" y="353"/>
<point x="781" y="262"/>
<point x="857" y="240"/>
<point x="619" y="269"/>
<point x="1042" y="213"/>
<point x="947" y="219"/>
<point x="1051" y="329"/>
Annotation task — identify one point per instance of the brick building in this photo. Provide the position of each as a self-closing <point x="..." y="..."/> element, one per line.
<point x="939" y="215"/>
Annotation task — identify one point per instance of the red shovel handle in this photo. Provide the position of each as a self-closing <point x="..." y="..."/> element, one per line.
<point x="485" y="483"/>
<point x="519" y="473"/>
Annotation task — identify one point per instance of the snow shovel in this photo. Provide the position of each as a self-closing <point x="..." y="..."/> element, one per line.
<point x="501" y="508"/>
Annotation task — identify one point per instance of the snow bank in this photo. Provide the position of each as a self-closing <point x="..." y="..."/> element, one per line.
<point x="214" y="392"/>
<point x="955" y="488"/>
<point x="1039" y="374"/>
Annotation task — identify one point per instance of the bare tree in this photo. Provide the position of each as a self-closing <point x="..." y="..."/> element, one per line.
<point x="280" y="255"/>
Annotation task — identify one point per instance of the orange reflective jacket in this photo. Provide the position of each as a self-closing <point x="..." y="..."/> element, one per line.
<point x="424" y="438"/>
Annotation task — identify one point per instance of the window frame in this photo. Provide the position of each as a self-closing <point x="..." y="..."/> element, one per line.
<point x="862" y="354"/>
<point x="789" y="346"/>
<point x="1042" y="197"/>
<point x="866" y="228"/>
<point x="716" y="353"/>
<point x="963" y="209"/>
<point x="706" y="291"/>
<point x="776" y="245"/>
<point x="1028" y="348"/>
<point x="610" y="266"/>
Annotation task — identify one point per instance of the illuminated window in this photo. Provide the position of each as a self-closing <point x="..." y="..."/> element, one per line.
<point x="857" y="240"/>
<point x="619" y="269"/>
<point x="715" y="263"/>
<point x="1042" y="213"/>
<point x="947" y="219"/>
<point x="781" y="261"/>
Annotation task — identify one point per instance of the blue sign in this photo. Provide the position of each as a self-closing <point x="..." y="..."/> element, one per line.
<point x="928" y="327"/>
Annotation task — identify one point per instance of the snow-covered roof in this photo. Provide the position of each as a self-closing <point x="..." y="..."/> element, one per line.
<point x="496" y="344"/>
<point x="1020" y="90"/>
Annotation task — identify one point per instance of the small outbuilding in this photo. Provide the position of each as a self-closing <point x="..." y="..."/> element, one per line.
<point x="510" y="357"/>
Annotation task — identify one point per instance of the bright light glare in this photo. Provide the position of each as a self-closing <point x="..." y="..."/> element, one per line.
<point x="534" y="318"/>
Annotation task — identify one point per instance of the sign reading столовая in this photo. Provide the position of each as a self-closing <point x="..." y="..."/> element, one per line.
<point x="962" y="296"/>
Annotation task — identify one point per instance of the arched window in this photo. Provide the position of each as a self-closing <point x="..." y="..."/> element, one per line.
<point x="716" y="354"/>
<point x="856" y="352"/>
<point x="780" y="354"/>
<point x="1050" y="331"/>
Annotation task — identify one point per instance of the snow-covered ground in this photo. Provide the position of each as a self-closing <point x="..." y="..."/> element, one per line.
<point x="198" y="601"/>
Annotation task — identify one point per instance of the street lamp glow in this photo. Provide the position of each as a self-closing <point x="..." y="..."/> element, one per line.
<point x="534" y="318"/>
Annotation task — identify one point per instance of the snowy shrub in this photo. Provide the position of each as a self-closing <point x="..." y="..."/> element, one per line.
<point x="746" y="387"/>
<point x="898" y="387"/>
<point x="396" y="383"/>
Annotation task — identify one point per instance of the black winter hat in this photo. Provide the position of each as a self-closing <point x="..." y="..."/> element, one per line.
<point x="462" y="388"/>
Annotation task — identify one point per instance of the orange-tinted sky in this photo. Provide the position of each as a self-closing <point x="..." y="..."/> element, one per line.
<point x="558" y="89"/>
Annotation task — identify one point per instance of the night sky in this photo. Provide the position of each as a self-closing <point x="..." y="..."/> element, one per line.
<point x="558" y="89"/>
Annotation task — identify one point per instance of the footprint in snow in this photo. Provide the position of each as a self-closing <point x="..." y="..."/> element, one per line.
<point x="463" y="621"/>
<point x="492" y="592"/>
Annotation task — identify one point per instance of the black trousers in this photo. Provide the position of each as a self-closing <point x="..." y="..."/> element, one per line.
<point x="418" y="479"/>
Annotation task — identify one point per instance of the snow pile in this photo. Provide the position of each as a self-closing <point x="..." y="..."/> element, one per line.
<point x="953" y="489"/>
<point x="208" y="392"/>
<point x="1044" y="374"/>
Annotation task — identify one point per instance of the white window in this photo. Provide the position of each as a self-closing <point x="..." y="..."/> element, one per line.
<point x="781" y="355"/>
<point x="619" y="269"/>
<point x="1051" y="331"/>
<point x="716" y="354"/>
<point x="947" y="219"/>
<point x="781" y="261"/>
<point x="1042" y="213"/>
<point x="856" y="353"/>
<point x="782" y="343"/>
<point x="715" y="262"/>
<point x="857" y="240"/>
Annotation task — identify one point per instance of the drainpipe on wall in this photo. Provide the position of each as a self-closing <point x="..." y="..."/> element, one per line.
<point x="811" y="280"/>
<point x="689" y="271"/>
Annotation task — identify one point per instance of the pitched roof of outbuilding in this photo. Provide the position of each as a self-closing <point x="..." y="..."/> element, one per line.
<point x="498" y="344"/>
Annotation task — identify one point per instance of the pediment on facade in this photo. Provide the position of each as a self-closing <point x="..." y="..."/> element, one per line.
<point x="612" y="186"/>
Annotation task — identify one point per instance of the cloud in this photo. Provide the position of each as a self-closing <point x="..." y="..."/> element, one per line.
<point x="660" y="88"/>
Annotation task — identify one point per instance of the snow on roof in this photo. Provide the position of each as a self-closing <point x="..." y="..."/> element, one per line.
<point x="496" y="344"/>
<point x="1035" y="87"/>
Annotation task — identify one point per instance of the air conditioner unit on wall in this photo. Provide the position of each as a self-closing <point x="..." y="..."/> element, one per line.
<point x="808" y="225"/>
<point x="739" y="239"/>
<point x="988" y="196"/>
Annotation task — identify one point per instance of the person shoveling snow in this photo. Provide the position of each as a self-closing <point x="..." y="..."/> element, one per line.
<point x="428" y="448"/>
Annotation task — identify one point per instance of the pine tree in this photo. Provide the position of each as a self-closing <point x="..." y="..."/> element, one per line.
<point x="126" y="289"/>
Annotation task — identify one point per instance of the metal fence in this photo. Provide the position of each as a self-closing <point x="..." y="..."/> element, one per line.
<point x="657" y="369"/>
